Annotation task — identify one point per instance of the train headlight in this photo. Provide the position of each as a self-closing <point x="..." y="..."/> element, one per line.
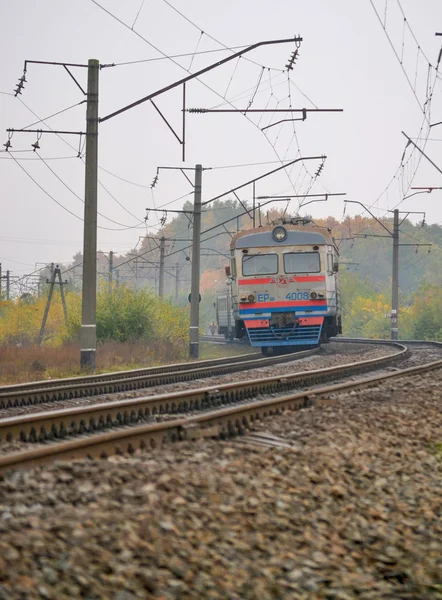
<point x="313" y="295"/>
<point x="279" y="234"/>
<point x="243" y="299"/>
<point x="321" y="294"/>
<point x="251" y="298"/>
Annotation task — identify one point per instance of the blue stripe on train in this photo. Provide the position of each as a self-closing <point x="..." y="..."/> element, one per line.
<point x="284" y="309"/>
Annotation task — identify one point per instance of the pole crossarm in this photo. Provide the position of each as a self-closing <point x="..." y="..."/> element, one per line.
<point x="411" y="212"/>
<point x="284" y="166"/>
<point x="58" y="64"/>
<point x="369" y="212"/>
<point x="65" y="65"/>
<point x="171" y="86"/>
<point x="427" y="188"/>
<point x="10" y="130"/>
<point x="286" y="196"/>
<point x="261" y="110"/>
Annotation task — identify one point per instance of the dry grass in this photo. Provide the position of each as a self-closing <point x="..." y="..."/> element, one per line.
<point x="32" y="363"/>
<point x="18" y="365"/>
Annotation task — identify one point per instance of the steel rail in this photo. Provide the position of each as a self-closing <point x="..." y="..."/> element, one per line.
<point x="93" y="385"/>
<point x="74" y="421"/>
<point x="348" y="340"/>
<point x="114" y="375"/>
<point x="221" y="423"/>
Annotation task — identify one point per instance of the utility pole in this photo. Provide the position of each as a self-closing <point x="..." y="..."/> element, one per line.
<point x="177" y="281"/>
<point x="55" y="272"/>
<point x="111" y="268"/>
<point x="395" y="278"/>
<point x="48" y="304"/>
<point x="63" y="298"/>
<point x="395" y="267"/>
<point x="8" y="285"/>
<point x="89" y="296"/>
<point x="0" y="282"/>
<point x="195" y="285"/>
<point x="161" y="278"/>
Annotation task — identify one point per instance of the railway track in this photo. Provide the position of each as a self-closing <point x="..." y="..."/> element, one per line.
<point x="226" y="410"/>
<point x="108" y="383"/>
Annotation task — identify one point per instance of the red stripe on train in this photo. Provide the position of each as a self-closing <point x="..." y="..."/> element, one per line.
<point x="299" y="279"/>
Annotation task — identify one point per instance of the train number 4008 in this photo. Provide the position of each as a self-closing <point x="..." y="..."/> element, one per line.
<point x="298" y="296"/>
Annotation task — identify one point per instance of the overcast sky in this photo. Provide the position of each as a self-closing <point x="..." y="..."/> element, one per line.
<point x="345" y="61"/>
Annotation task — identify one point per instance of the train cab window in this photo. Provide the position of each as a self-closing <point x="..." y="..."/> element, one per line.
<point x="260" y="264"/>
<point x="302" y="262"/>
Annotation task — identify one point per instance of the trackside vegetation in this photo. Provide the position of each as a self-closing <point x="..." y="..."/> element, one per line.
<point x="123" y="315"/>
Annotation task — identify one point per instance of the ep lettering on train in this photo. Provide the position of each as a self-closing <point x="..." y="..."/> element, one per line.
<point x="263" y="297"/>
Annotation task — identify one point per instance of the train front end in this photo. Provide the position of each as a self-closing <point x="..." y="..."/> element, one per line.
<point x="284" y="285"/>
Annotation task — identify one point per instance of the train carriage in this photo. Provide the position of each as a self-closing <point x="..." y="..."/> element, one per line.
<point x="284" y="285"/>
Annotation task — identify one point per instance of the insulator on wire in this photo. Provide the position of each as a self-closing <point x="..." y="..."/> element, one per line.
<point x="36" y="144"/>
<point x="319" y="171"/>
<point x="292" y="60"/>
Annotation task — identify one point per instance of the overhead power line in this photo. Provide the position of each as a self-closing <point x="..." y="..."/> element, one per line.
<point x="187" y="70"/>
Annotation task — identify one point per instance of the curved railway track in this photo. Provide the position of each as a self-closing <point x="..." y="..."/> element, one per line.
<point x="226" y="410"/>
<point x="108" y="383"/>
<point x="73" y="421"/>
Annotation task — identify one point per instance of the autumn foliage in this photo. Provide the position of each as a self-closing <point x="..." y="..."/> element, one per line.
<point x="123" y="315"/>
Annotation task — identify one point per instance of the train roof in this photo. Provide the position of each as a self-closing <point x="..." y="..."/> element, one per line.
<point x="297" y="235"/>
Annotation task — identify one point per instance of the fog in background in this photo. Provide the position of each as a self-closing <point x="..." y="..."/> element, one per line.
<point x="345" y="61"/>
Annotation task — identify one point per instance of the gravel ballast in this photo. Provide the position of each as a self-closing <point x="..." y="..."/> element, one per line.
<point x="329" y="356"/>
<point x="352" y="510"/>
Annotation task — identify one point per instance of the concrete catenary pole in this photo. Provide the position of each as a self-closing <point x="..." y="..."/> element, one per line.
<point x="195" y="286"/>
<point x="395" y="279"/>
<point x="162" y="255"/>
<point x="89" y="297"/>
<point x="8" y="285"/>
<point x="111" y="270"/>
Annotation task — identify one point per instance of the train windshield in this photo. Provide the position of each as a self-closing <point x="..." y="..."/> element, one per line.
<point x="260" y="264"/>
<point x="302" y="262"/>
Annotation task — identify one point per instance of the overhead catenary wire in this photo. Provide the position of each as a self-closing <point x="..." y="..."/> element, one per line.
<point x="138" y="13"/>
<point x="100" y="183"/>
<point x="62" y="205"/>
<point x="395" y="51"/>
<point x="54" y="114"/>
<point x="207" y="34"/>
<point x="71" y="146"/>
<point x="183" y="55"/>
<point x="34" y="158"/>
<point x="181" y="67"/>
<point x="80" y="198"/>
